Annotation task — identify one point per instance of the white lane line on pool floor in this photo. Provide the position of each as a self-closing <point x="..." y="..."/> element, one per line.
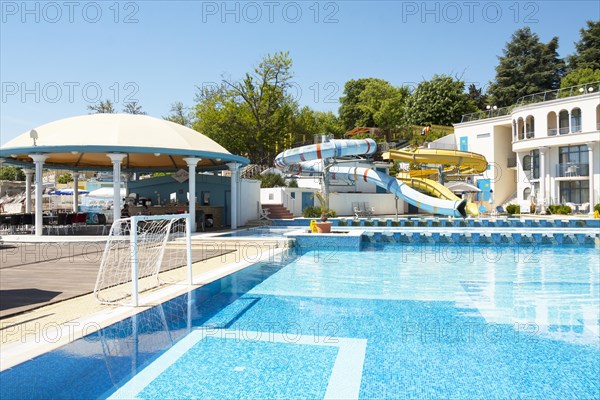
<point x="344" y="382"/>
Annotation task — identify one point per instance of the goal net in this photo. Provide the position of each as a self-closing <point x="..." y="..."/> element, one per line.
<point x="138" y="249"/>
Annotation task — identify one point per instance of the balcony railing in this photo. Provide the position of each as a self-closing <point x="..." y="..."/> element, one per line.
<point x="530" y="134"/>
<point x="499" y="112"/>
<point x="548" y="95"/>
<point x="568" y="170"/>
<point x="552" y="132"/>
<point x="511" y="162"/>
<point x="564" y="130"/>
<point x="576" y="128"/>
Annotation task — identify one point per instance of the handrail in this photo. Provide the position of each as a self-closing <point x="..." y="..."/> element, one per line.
<point x="592" y="87"/>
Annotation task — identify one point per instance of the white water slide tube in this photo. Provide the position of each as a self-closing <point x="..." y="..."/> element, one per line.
<point x="306" y="159"/>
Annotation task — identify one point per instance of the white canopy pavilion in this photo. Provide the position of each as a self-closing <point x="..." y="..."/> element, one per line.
<point x="119" y="142"/>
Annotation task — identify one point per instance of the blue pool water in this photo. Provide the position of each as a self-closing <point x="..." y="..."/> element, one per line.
<point x="390" y="321"/>
<point x="259" y="232"/>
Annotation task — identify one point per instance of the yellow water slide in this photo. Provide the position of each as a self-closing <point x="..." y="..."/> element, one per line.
<point x="466" y="161"/>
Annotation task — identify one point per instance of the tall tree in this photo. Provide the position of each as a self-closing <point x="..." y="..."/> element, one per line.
<point x="372" y="102"/>
<point x="440" y="101"/>
<point x="587" y="49"/>
<point x="133" y="108"/>
<point x="527" y="66"/>
<point x="476" y="94"/>
<point x="180" y="114"/>
<point x="256" y="109"/>
<point x="104" y="107"/>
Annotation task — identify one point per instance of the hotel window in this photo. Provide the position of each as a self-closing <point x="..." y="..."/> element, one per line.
<point x="529" y="127"/>
<point x="574" y="191"/>
<point x="575" y="157"/>
<point x="576" y="120"/>
<point x="531" y="165"/>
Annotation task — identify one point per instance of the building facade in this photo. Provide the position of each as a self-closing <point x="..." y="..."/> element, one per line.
<point x="544" y="152"/>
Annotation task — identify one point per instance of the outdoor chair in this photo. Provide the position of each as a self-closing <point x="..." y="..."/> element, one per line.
<point x="264" y="214"/>
<point x="584" y="208"/>
<point x="500" y="210"/>
<point x="101" y="223"/>
<point x="357" y="211"/>
<point x="201" y="220"/>
<point x="368" y="210"/>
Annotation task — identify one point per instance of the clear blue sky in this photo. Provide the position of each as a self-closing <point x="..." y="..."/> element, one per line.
<point x="51" y="52"/>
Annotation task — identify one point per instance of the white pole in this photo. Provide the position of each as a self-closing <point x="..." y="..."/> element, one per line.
<point x="188" y="240"/>
<point x="590" y="146"/>
<point x="38" y="160"/>
<point x="75" y="191"/>
<point x="133" y="248"/>
<point x="234" y="167"/>
<point x="192" y="162"/>
<point x="28" y="179"/>
<point x="117" y="159"/>
<point x="542" y="203"/>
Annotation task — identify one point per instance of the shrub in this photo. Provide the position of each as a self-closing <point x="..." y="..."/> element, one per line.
<point x="597" y="207"/>
<point x="271" y="180"/>
<point x="315" y="212"/>
<point x="559" y="209"/>
<point x="513" y="209"/>
<point x="293" y="183"/>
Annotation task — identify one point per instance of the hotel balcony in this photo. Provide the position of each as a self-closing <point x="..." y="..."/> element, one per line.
<point x="571" y="170"/>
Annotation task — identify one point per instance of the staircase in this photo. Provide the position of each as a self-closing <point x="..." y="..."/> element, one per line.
<point x="278" y="211"/>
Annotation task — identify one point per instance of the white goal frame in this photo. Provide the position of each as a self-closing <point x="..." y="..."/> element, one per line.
<point x="116" y="230"/>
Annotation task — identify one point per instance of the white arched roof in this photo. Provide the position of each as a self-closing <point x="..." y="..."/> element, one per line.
<point x="151" y="144"/>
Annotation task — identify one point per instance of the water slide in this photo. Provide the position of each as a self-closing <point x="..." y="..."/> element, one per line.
<point x="467" y="162"/>
<point x="308" y="159"/>
<point x="435" y="189"/>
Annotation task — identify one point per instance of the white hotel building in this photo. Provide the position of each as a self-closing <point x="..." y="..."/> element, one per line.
<point x="545" y="149"/>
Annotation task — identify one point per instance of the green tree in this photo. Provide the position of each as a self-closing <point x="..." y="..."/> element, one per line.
<point x="133" y="107"/>
<point x="476" y="94"/>
<point x="580" y="76"/>
<point x="10" y="173"/>
<point x="439" y="101"/>
<point x="527" y="66"/>
<point x="180" y="115"/>
<point x="65" y="178"/>
<point x="270" y="180"/>
<point x="372" y="102"/>
<point x="104" y="107"/>
<point x="587" y="49"/>
<point x="251" y="116"/>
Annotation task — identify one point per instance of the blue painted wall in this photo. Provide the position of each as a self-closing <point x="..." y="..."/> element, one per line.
<point x="165" y="185"/>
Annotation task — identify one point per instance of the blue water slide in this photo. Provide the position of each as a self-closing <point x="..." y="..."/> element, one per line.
<point x="305" y="159"/>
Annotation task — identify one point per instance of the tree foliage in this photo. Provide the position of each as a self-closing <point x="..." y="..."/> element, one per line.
<point x="527" y="66"/>
<point x="180" y="115"/>
<point x="133" y="107"/>
<point x="250" y="116"/>
<point x="104" y="107"/>
<point x="579" y="77"/>
<point x="479" y="98"/>
<point x="10" y="173"/>
<point x="65" y="178"/>
<point x="372" y="102"/>
<point x="270" y="180"/>
<point x="587" y="49"/>
<point x="440" y="101"/>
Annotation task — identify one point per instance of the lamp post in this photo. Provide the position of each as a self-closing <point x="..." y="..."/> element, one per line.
<point x="491" y="109"/>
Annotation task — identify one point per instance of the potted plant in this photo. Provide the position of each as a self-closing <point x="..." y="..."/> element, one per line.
<point x="324" y="226"/>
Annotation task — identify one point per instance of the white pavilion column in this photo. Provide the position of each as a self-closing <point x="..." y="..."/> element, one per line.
<point x="590" y="146"/>
<point x="38" y="160"/>
<point x="192" y="162"/>
<point x="234" y="167"/>
<point x="543" y="177"/>
<point x="28" y="178"/>
<point x="75" y="191"/>
<point x="117" y="159"/>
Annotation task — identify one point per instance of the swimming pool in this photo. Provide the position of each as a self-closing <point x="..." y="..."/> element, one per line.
<point x="390" y="321"/>
<point x="258" y="232"/>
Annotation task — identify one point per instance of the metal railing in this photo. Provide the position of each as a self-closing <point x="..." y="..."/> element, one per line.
<point x="548" y="95"/>
<point x="592" y="87"/>
<point x="499" y="112"/>
<point x="567" y="170"/>
<point x="530" y="134"/>
<point x="563" y="130"/>
<point x="552" y="132"/>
